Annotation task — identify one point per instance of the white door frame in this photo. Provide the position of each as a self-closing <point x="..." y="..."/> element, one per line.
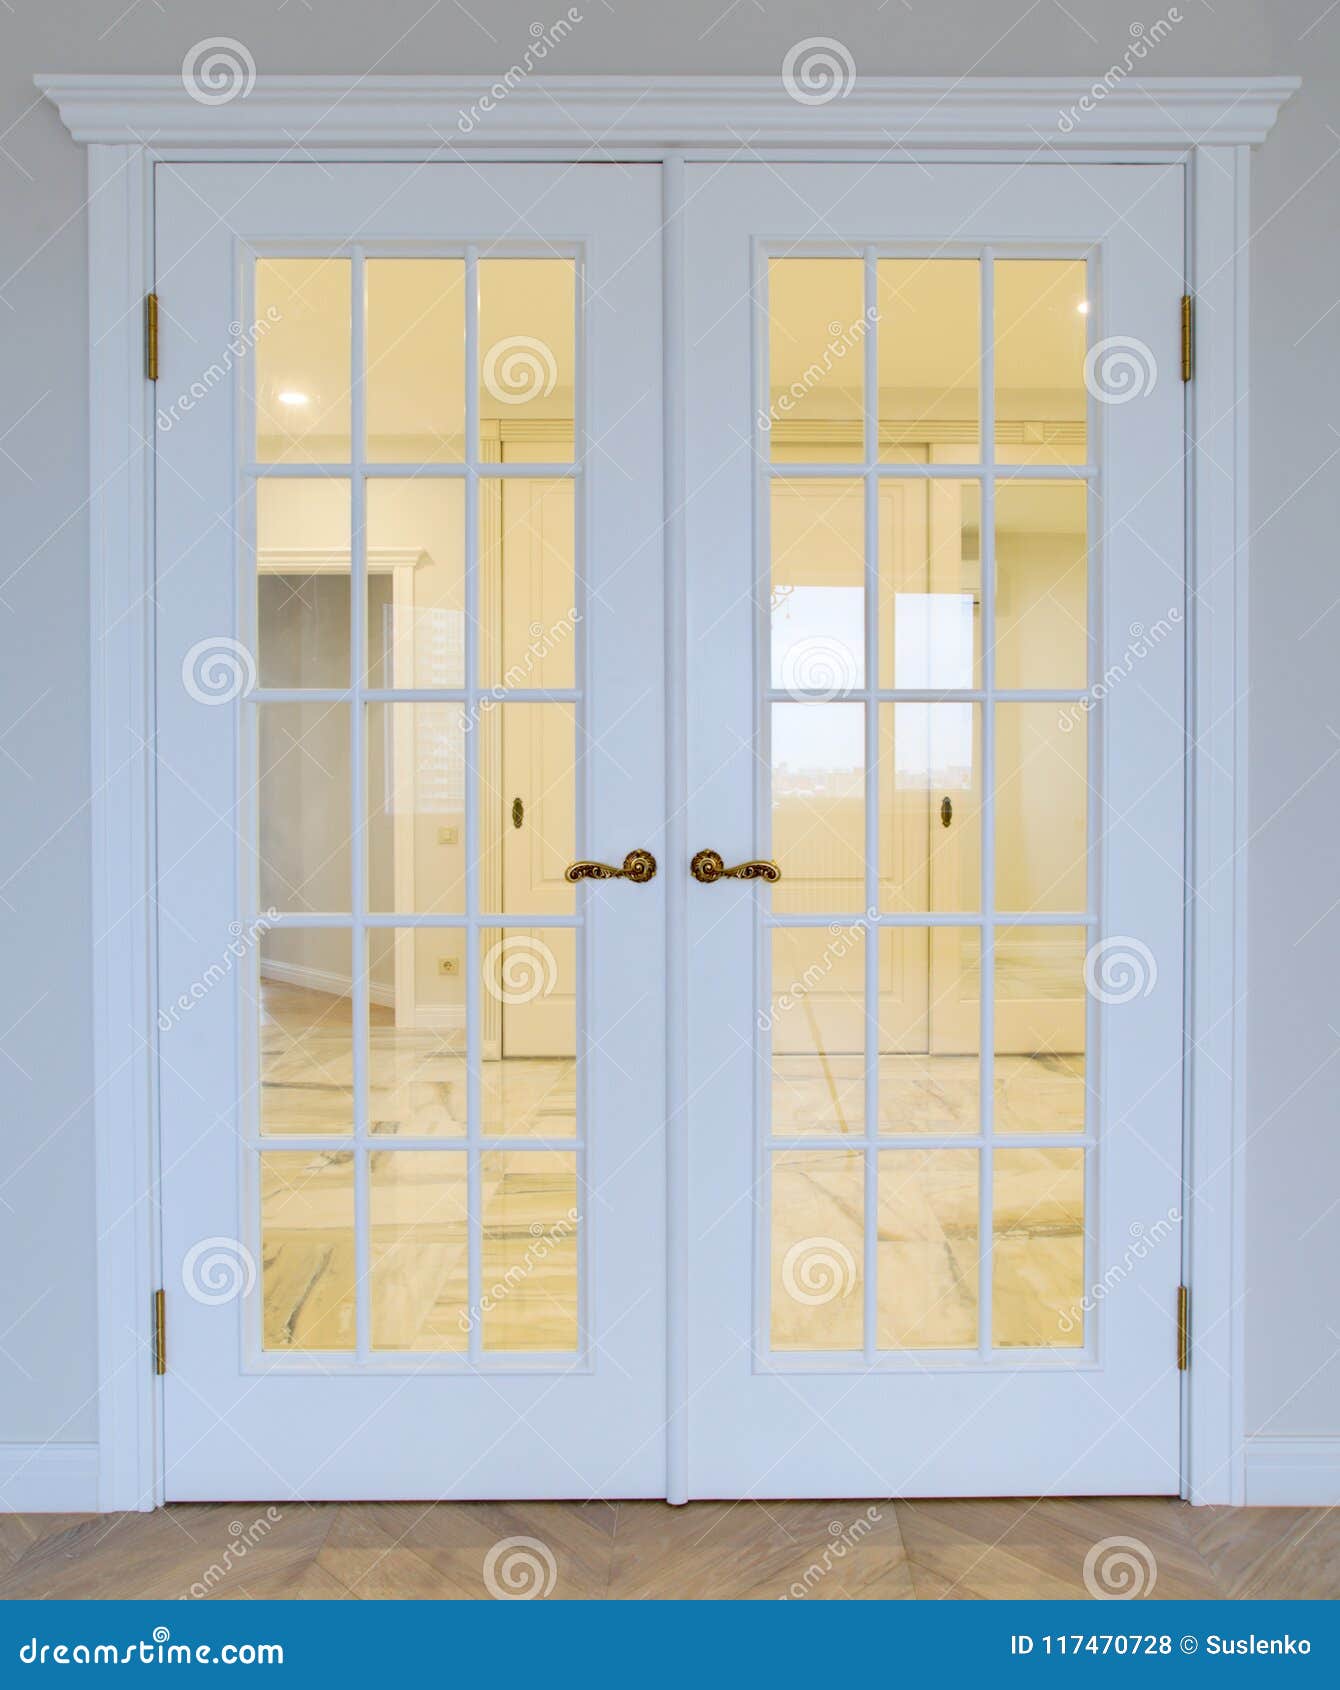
<point x="130" y="123"/>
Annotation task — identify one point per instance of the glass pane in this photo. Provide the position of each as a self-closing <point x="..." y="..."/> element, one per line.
<point x="307" y="1249"/>
<point x="528" y="616"/>
<point x="927" y="1249"/>
<point x="527" y="362"/>
<point x="528" y="805"/>
<point x="302" y="582"/>
<point x="529" y="1295"/>
<point x="303" y="806"/>
<point x="302" y="360"/>
<point x="930" y="353"/>
<point x="420" y="1250"/>
<point x="416" y="359"/>
<point x="1041" y="809"/>
<point x="416" y="583"/>
<point x="929" y="1017"/>
<point x="930" y="584"/>
<point x="416" y="808"/>
<point x="818" y="1199"/>
<point x="417" y="1083"/>
<point x="528" y="1009"/>
<point x="929" y="807"/>
<point x="1039" y="1034"/>
<point x="816" y="359"/>
<point x="817" y="1028"/>
<point x="1037" y="1274"/>
<point x="818" y="806"/>
<point x="1042" y="590"/>
<point x="306" y="1031"/>
<point x="1041" y="337"/>
<point x="818" y="586"/>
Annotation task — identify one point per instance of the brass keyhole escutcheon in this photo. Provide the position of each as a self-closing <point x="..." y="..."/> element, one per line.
<point x="946" y="811"/>
<point x="518" y="812"/>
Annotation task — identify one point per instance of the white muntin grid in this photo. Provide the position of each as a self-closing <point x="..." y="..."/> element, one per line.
<point x="477" y="700"/>
<point x="986" y="473"/>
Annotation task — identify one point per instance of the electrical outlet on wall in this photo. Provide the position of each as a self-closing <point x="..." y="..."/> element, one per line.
<point x="448" y="836"/>
<point x="448" y="965"/>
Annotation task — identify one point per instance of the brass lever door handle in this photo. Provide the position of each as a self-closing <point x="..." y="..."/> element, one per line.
<point x="638" y="866"/>
<point x="708" y="866"/>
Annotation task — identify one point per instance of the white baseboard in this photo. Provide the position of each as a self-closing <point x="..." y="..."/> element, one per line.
<point x="1293" y="1472"/>
<point x="323" y="980"/>
<point x="48" y="1478"/>
<point x="63" y="1478"/>
<point x="427" y="1017"/>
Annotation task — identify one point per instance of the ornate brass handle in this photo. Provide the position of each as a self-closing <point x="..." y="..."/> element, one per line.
<point x="638" y="866"/>
<point x="708" y="866"/>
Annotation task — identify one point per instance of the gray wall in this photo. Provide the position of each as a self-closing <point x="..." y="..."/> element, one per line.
<point x="46" y="1204"/>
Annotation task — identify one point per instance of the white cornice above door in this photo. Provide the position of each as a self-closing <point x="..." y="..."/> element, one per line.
<point x="601" y="113"/>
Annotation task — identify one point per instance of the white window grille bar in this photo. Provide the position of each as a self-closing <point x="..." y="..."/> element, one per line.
<point x="987" y="852"/>
<point x="358" y="962"/>
<point x="473" y="1021"/>
<point x="464" y="471"/>
<point x="870" y="348"/>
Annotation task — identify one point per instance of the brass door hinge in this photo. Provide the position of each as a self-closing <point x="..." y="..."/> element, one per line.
<point x="151" y="337"/>
<point x="160" y="1332"/>
<point x="1186" y="337"/>
<point x="1183" y="1328"/>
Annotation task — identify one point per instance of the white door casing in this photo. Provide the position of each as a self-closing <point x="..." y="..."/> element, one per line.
<point x="1208" y="123"/>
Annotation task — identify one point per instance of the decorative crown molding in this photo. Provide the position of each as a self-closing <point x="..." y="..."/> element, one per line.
<point x="599" y="114"/>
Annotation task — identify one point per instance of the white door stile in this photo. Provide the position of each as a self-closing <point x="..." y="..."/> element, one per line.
<point x="678" y="850"/>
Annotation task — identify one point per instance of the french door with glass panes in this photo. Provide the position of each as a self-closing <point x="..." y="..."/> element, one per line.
<point x="412" y="672"/>
<point x="935" y="606"/>
<point x="411" y="661"/>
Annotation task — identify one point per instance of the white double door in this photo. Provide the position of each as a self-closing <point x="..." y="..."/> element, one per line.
<point x="912" y="1190"/>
